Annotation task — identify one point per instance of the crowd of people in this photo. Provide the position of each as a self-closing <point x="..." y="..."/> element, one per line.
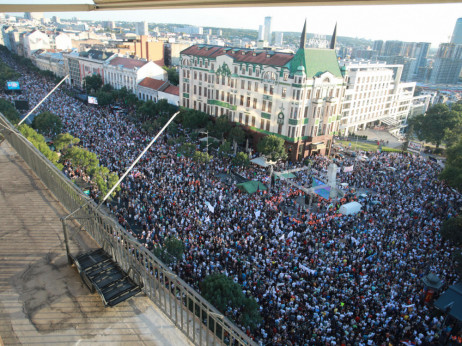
<point x="319" y="277"/>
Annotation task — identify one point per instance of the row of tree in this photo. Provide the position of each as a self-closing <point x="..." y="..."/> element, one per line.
<point x="443" y="125"/>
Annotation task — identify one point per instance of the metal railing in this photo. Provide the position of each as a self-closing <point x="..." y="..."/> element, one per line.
<point x="191" y="313"/>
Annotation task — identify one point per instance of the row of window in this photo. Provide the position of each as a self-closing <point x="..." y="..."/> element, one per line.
<point x="245" y="70"/>
<point x="265" y="124"/>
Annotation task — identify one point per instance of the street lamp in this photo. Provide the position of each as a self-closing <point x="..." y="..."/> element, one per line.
<point x="207" y="145"/>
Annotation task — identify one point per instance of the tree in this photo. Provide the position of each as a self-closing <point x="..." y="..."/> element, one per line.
<point x="187" y="149"/>
<point x="64" y="141"/>
<point x="7" y="74"/>
<point x="452" y="229"/>
<point x="107" y="88"/>
<point x="193" y="119"/>
<point x="82" y="159"/>
<point x="173" y="75"/>
<point x="201" y="157"/>
<point x="241" y="159"/>
<point x="452" y="172"/>
<point x="432" y="126"/>
<point x="9" y="111"/>
<point x="93" y="83"/>
<point x="225" y="149"/>
<point x="219" y="128"/>
<point x="38" y="141"/>
<point x="223" y="293"/>
<point x="105" y="180"/>
<point x="171" y="251"/>
<point x="272" y="147"/>
<point x="47" y="123"/>
<point x="104" y="97"/>
<point x="237" y="134"/>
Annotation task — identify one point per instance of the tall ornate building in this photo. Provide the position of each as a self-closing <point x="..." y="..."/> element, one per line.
<point x="293" y="96"/>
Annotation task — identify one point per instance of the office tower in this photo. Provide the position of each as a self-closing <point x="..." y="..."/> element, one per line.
<point x="142" y="28"/>
<point x="392" y="48"/>
<point x="457" y="33"/>
<point x="279" y="36"/>
<point x="378" y="45"/>
<point x="267" y="32"/>
<point x="447" y="64"/>
<point x="260" y="32"/>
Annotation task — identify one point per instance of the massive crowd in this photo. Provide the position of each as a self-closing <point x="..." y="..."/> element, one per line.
<point x="320" y="278"/>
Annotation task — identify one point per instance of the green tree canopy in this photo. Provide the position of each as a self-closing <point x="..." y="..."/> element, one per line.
<point x="64" y="141"/>
<point x="272" y="147"/>
<point x="452" y="171"/>
<point x="7" y="74"/>
<point x="47" y="123"/>
<point x="9" y="111"/>
<point x="187" y="149"/>
<point x="201" y="157"/>
<point x="93" y="83"/>
<point x="173" y="75"/>
<point x="105" y="98"/>
<point x="432" y="126"/>
<point x="82" y="159"/>
<point x="105" y="180"/>
<point x="171" y="251"/>
<point x="241" y="159"/>
<point x="38" y="141"/>
<point x="223" y="293"/>
<point x="193" y="119"/>
<point x="237" y="134"/>
<point x="219" y="127"/>
<point x="452" y="229"/>
<point x="225" y="149"/>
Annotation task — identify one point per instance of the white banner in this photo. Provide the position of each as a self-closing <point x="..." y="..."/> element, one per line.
<point x="348" y="169"/>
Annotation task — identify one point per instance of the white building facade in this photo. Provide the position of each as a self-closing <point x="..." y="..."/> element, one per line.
<point x="126" y="72"/>
<point x="35" y="40"/>
<point x="374" y="95"/>
<point x="62" y="42"/>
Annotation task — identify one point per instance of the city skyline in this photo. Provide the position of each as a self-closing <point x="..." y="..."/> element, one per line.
<point x="432" y="23"/>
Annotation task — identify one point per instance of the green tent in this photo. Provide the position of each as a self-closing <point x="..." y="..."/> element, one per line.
<point x="252" y="186"/>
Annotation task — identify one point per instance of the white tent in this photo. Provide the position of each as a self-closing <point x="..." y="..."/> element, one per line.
<point x="262" y="161"/>
<point x="350" y="208"/>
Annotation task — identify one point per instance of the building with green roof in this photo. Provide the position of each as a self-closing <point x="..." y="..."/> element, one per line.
<point x="293" y="96"/>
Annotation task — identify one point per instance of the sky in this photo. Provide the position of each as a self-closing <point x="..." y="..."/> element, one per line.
<point x="413" y="23"/>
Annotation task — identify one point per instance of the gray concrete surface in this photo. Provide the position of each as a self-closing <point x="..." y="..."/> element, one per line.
<point x="42" y="299"/>
<point x="381" y="135"/>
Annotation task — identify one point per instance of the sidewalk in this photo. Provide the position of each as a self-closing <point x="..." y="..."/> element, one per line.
<point x="42" y="298"/>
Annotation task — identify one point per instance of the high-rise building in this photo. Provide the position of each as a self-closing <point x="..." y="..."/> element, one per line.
<point x="392" y="48"/>
<point x="109" y="25"/>
<point x="447" y="64"/>
<point x="457" y="33"/>
<point x="293" y="96"/>
<point x="142" y="28"/>
<point x="267" y="31"/>
<point x="260" y="33"/>
<point x="278" y="38"/>
<point x="378" y="45"/>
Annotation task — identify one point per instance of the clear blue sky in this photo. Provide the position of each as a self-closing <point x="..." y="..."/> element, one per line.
<point x="428" y="23"/>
